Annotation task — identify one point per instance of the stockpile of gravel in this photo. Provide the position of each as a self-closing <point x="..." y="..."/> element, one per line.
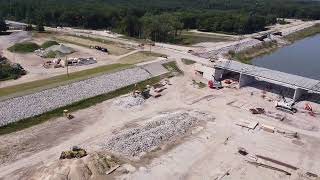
<point x="130" y="101"/>
<point x="161" y="129"/>
<point x="60" y="48"/>
<point x="236" y="47"/>
<point x="12" y="110"/>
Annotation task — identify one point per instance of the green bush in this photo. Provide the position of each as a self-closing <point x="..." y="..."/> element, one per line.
<point x="47" y="44"/>
<point x="10" y="71"/>
<point x="51" y="54"/>
<point x="28" y="27"/>
<point x="24" y="47"/>
<point x="187" y="61"/>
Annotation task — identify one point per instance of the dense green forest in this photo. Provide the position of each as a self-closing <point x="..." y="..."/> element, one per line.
<point x="160" y="20"/>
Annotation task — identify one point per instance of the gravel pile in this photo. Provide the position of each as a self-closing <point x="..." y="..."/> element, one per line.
<point x="236" y="47"/>
<point x="60" y="48"/>
<point x="12" y="110"/>
<point x="127" y="102"/>
<point x="161" y="129"/>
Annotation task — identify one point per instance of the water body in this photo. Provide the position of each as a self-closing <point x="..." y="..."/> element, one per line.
<point x="300" y="58"/>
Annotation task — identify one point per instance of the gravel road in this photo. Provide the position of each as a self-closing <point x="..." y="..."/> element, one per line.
<point x="31" y="105"/>
<point x="15" y="37"/>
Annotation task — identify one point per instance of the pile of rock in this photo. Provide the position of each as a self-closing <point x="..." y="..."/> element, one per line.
<point x="235" y="46"/>
<point x="129" y="101"/>
<point x="37" y="103"/>
<point x="57" y="49"/>
<point x="159" y="130"/>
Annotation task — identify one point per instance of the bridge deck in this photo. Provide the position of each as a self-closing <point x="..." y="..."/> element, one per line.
<point x="273" y="76"/>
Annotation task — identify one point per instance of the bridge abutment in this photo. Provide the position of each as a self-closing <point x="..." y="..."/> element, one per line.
<point x="298" y="93"/>
<point x="218" y="73"/>
<point x="245" y="80"/>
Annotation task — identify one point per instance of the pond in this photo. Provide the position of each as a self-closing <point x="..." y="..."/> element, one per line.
<point x="300" y="58"/>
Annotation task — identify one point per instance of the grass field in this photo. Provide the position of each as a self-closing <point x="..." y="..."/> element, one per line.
<point x="138" y="57"/>
<point x="29" y="122"/>
<point x="59" y="80"/>
<point x="113" y="48"/>
<point x="190" y="38"/>
<point x="313" y="30"/>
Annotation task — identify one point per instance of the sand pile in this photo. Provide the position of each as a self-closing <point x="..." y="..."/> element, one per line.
<point x="93" y="166"/>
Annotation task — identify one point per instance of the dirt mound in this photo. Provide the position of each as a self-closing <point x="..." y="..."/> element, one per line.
<point x="93" y="166"/>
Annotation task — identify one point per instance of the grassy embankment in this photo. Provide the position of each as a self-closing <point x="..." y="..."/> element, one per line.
<point x="313" y="30"/>
<point x="173" y="67"/>
<point x="247" y="55"/>
<point x="48" y="44"/>
<point x="139" y="57"/>
<point x="59" y="80"/>
<point x="190" y="38"/>
<point x="187" y="61"/>
<point x="27" y="47"/>
<point x="29" y="122"/>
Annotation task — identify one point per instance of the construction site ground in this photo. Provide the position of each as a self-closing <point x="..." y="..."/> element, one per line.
<point x="209" y="151"/>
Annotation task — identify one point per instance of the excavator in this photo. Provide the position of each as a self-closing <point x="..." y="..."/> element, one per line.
<point x="286" y="106"/>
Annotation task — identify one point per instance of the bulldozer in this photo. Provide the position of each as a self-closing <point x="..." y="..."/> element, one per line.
<point x="75" y="152"/>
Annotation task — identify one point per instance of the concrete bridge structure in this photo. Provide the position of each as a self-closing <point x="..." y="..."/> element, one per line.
<point x="250" y="74"/>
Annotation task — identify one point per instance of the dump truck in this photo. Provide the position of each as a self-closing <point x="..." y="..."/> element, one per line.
<point x="75" y="152"/>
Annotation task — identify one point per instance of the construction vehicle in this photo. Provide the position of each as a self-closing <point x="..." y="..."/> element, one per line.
<point x="75" y="152"/>
<point x="99" y="48"/>
<point x="214" y="84"/>
<point x="285" y="106"/>
<point x="309" y="108"/>
<point x="278" y="33"/>
<point x="67" y="114"/>
<point x="145" y="92"/>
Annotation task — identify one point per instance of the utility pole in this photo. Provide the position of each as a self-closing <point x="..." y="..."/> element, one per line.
<point x="150" y="46"/>
<point x="67" y="66"/>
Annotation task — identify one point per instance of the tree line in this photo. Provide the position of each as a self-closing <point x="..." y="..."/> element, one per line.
<point x="159" y="20"/>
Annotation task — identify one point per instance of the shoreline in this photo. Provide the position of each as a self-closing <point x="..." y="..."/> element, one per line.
<point x="265" y="48"/>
